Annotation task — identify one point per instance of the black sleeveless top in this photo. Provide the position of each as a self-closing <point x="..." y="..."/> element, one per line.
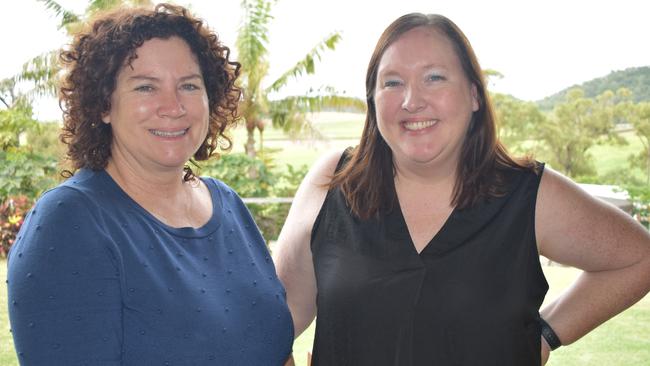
<point x="470" y="298"/>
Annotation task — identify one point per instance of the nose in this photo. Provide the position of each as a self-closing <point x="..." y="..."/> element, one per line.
<point x="171" y="105"/>
<point x="413" y="101"/>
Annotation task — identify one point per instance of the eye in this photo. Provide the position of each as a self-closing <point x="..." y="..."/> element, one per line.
<point x="144" y="88"/>
<point x="392" y="83"/>
<point x="190" y="87"/>
<point x="435" y="77"/>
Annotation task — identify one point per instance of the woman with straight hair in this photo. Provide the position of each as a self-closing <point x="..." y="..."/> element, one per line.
<point x="421" y="245"/>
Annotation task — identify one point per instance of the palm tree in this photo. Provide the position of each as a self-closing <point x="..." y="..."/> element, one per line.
<point x="289" y="113"/>
<point x="43" y="69"/>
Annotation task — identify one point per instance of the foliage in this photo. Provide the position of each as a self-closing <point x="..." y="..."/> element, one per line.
<point x="640" y="197"/>
<point x="517" y="123"/>
<point x="12" y="214"/>
<point x="42" y="70"/>
<point x="636" y="79"/>
<point x="15" y="122"/>
<point x="25" y="172"/>
<point x="640" y="120"/>
<point x="576" y="125"/>
<point x="233" y="170"/>
<point x="289" y="112"/>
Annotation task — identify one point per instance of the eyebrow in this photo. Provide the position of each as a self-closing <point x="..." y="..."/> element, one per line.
<point x="152" y="78"/>
<point x="393" y="71"/>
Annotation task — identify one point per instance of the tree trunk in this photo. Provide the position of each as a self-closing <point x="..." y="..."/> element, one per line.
<point x="250" y="148"/>
<point x="250" y="142"/>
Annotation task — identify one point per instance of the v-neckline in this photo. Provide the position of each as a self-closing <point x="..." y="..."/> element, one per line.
<point x="411" y="243"/>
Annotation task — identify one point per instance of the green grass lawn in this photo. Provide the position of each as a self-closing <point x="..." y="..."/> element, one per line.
<point x="339" y="130"/>
<point x="7" y="354"/>
<point x="611" y="158"/>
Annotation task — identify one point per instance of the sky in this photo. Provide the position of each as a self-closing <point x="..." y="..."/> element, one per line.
<point x="541" y="47"/>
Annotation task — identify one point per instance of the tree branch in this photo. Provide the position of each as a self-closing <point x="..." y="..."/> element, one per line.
<point x="4" y="102"/>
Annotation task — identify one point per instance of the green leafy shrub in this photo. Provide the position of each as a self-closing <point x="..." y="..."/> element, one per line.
<point x="236" y="169"/>
<point x="640" y="197"/>
<point x="12" y="214"/>
<point x="25" y="173"/>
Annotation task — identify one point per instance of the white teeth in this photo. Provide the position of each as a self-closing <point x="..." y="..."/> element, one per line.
<point x="169" y="133"/>
<point x="414" y="126"/>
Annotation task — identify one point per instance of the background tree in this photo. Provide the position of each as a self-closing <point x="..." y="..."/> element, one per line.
<point x="518" y="123"/>
<point x="640" y="120"/>
<point x="636" y="79"/>
<point x="41" y="71"/>
<point x="24" y="171"/>
<point x="289" y="112"/>
<point x="576" y="125"/>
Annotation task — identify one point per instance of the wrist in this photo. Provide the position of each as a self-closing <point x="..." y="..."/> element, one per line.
<point x="549" y="335"/>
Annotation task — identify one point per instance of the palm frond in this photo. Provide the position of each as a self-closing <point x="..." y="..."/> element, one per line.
<point x="290" y="113"/>
<point x="95" y="6"/>
<point x="41" y="71"/>
<point x="307" y="64"/>
<point x="67" y="16"/>
<point x="252" y="37"/>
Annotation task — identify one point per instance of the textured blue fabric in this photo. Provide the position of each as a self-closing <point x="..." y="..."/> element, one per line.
<point x="94" y="279"/>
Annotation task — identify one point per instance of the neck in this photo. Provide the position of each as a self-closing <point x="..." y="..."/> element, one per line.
<point x="428" y="183"/>
<point x="143" y="183"/>
<point x="426" y="174"/>
<point x="166" y="196"/>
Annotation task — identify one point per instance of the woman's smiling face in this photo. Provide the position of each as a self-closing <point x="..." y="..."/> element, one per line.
<point x="423" y="99"/>
<point x="159" y="110"/>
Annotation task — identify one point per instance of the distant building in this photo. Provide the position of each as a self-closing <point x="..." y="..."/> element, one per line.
<point x="612" y="194"/>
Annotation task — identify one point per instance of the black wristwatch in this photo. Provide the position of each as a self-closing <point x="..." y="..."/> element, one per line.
<point x="549" y="335"/>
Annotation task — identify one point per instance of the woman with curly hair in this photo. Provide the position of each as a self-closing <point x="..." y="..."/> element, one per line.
<point x="134" y="260"/>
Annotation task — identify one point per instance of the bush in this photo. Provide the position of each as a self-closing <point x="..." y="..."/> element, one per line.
<point x="640" y="197"/>
<point x="235" y="170"/>
<point x="23" y="177"/>
<point x="12" y="214"/>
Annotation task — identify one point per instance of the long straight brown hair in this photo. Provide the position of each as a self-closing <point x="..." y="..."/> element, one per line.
<point x="367" y="180"/>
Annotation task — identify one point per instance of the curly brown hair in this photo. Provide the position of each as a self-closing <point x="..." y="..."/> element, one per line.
<point x="97" y="54"/>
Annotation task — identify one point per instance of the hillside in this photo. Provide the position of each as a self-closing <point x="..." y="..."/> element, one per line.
<point x="637" y="79"/>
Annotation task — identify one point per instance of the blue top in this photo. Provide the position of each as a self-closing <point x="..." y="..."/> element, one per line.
<point x="95" y="279"/>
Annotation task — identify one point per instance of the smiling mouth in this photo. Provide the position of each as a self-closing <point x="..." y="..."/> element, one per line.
<point x="419" y="125"/>
<point x="160" y="133"/>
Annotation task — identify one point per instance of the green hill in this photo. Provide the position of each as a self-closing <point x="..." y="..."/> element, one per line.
<point x="637" y="79"/>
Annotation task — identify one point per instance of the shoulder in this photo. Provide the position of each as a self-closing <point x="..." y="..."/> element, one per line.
<point x="222" y="194"/>
<point x="323" y="170"/>
<point x="66" y="201"/>
<point x="312" y="192"/>
<point x="216" y="185"/>
<point x="68" y="212"/>
<point x="575" y="228"/>
<point x="63" y="226"/>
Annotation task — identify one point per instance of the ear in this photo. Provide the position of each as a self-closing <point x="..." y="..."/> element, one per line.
<point x="476" y="103"/>
<point x="106" y="118"/>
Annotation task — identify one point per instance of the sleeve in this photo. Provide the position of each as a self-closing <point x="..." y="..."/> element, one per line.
<point x="64" y="288"/>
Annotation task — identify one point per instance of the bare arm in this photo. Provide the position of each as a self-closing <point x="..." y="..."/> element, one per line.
<point x="611" y="248"/>
<point x="292" y="257"/>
